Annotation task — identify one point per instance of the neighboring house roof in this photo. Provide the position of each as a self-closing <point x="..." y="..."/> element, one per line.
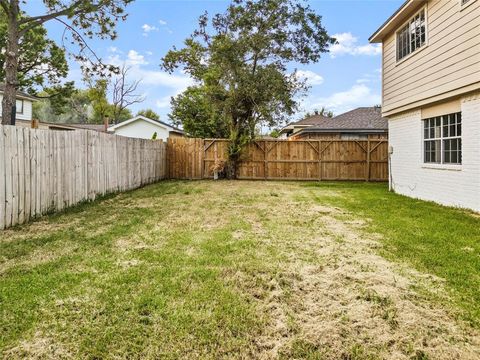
<point x="310" y="121"/>
<point x="61" y="126"/>
<point x="94" y="127"/>
<point x="365" y="118"/>
<point x="152" y="121"/>
<point x="20" y="94"/>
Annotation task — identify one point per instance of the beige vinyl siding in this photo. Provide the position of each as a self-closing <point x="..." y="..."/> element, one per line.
<point x="450" y="60"/>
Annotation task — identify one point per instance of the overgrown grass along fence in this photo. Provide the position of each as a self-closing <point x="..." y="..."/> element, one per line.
<point x="365" y="160"/>
<point x="45" y="170"/>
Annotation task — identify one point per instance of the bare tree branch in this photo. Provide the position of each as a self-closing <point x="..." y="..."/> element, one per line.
<point x="124" y="93"/>
<point x="83" y="43"/>
<point x="37" y="20"/>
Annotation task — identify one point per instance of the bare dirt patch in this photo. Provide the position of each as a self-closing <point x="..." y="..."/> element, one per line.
<point x="38" y="347"/>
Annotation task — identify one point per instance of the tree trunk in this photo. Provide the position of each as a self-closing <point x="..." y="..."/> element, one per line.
<point x="11" y="65"/>
<point x="234" y="151"/>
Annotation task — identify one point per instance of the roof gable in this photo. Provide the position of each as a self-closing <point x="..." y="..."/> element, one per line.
<point x="157" y="123"/>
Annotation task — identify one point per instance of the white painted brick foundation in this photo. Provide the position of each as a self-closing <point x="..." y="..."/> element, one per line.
<point x="448" y="185"/>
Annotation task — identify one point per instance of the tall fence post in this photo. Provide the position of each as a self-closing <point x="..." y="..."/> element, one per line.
<point x="368" y="160"/>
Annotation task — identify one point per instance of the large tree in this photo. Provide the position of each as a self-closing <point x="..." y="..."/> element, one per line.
<point x="82" y="20"/>
<point x="241" y="59"/>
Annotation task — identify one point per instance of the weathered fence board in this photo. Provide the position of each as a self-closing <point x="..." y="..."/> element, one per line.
<point x="365" y="160"/>
<point x="45" y="170"/>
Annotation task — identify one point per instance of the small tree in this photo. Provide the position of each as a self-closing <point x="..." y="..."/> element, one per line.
<point x="124" y="93"/>
<point x="275" y="133"/>
<point x="322" y="112"/>
<point x="74" y="108"/>
<point x="97" y="94"/>
<point x="194" y="111"/>
<point x="82" y="19"/>
<point x="149" y="113"/>
<point x="241" y="59"/>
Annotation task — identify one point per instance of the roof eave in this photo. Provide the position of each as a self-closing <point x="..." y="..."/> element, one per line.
<point x="344" y="130"/>
<point x="25" y="97"/>
<point x="393" y="21"/>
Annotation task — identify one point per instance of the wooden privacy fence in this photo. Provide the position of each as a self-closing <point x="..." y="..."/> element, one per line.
<point x="45" y="170"/>
<point x="365" y="160"/>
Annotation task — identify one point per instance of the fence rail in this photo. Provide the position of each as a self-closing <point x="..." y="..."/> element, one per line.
<point x="365" y="160"/>
<point x="45" y="170"/>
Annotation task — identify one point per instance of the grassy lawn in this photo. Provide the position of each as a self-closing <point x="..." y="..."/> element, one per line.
<point x="244" y="270"/>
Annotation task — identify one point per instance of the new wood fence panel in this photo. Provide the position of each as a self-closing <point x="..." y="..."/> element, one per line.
<point x="44" y="170"/>
<point x="282" y="159"/>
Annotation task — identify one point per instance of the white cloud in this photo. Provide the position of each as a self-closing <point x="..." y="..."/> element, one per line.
<point x="373" y="77"/>
<point x="148" y="28"/>
<point x="149" y="53"/>
<point x="136" y="61"/>
<point x="311" y="77"/>
<point x="163" y="23"/>
<point x="112" y="49"/>
<point x="348" y="45"/>
<point x="134" y="58"/>
<point x="159" y="78"/>
<point x="164" y="102"/>
<point x="340" y="102"/>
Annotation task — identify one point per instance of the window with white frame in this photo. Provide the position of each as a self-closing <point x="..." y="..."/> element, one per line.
<point x="412" y="36"/>
<point x="442" y="139"/>
<point x="19" y="106"/>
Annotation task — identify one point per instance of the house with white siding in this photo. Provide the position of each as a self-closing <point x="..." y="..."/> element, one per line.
<point x="431" y="97"/>
<point x="144" y="128"/>
<point x="24" y="104"/>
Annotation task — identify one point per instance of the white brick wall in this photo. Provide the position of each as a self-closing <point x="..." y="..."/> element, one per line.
<point x="448" y="185"/>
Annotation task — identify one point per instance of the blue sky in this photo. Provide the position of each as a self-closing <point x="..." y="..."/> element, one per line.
<point x="346" y="78"/>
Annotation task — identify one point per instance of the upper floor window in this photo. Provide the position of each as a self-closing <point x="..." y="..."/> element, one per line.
<point x="412" y="36"/>
<point x="442" y="139"/>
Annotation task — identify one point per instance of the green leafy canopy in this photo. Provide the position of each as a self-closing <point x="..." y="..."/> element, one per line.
<point x="149" y="113"/>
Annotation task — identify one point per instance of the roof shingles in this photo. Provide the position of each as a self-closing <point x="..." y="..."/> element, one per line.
<point x="360" y="118"/>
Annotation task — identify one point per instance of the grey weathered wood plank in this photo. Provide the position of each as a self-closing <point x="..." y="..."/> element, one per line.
<point x="2" y="178"/>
